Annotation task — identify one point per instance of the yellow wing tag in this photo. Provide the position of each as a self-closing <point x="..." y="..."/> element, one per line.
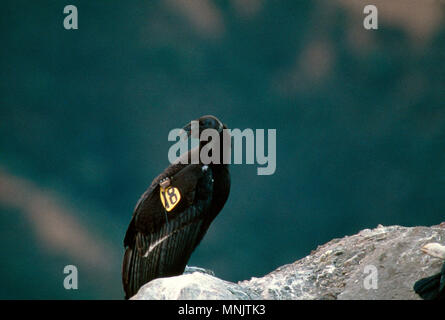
<point x="170" y="197"/>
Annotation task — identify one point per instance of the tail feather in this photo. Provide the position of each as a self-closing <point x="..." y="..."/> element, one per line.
<point x="130" y="272"/>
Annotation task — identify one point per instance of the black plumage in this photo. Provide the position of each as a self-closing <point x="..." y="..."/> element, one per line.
<point x="432" y="288"/>
<point x="159" y="243"/>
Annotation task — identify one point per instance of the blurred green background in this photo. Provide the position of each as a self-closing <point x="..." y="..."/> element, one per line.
<point x="85" y="114"/>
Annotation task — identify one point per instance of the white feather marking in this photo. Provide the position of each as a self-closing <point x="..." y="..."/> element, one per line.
<point x="155" y="244"/>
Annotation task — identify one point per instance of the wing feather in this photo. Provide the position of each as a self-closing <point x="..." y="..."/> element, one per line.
<point x="159" y="248"/>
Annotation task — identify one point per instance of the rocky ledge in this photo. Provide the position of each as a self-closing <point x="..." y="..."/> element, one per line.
<point x="382" y="263"/>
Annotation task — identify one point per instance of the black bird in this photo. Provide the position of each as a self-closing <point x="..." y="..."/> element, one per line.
<point x="433" y="287"/>
<point x="173" y="215"/>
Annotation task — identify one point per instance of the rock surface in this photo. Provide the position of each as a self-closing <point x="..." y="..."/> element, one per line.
<point x="339" y="269"/>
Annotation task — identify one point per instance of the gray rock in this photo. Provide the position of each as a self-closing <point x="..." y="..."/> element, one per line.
<point x="335" y="270"/>
<point x="193" y="286"/>
<point x="191" y="269"/>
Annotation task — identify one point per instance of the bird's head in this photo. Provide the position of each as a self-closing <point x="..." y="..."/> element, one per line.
<point x="204" y="122"/>
<point x="434" y="249"/>
<point x="196" y="127"/>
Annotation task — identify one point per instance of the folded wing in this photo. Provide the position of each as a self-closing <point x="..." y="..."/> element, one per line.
<point x="159" y="243"/>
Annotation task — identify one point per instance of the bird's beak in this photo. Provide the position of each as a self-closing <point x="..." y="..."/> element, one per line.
<point x="192" y="129"/>
<point x="188" y="129"/>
